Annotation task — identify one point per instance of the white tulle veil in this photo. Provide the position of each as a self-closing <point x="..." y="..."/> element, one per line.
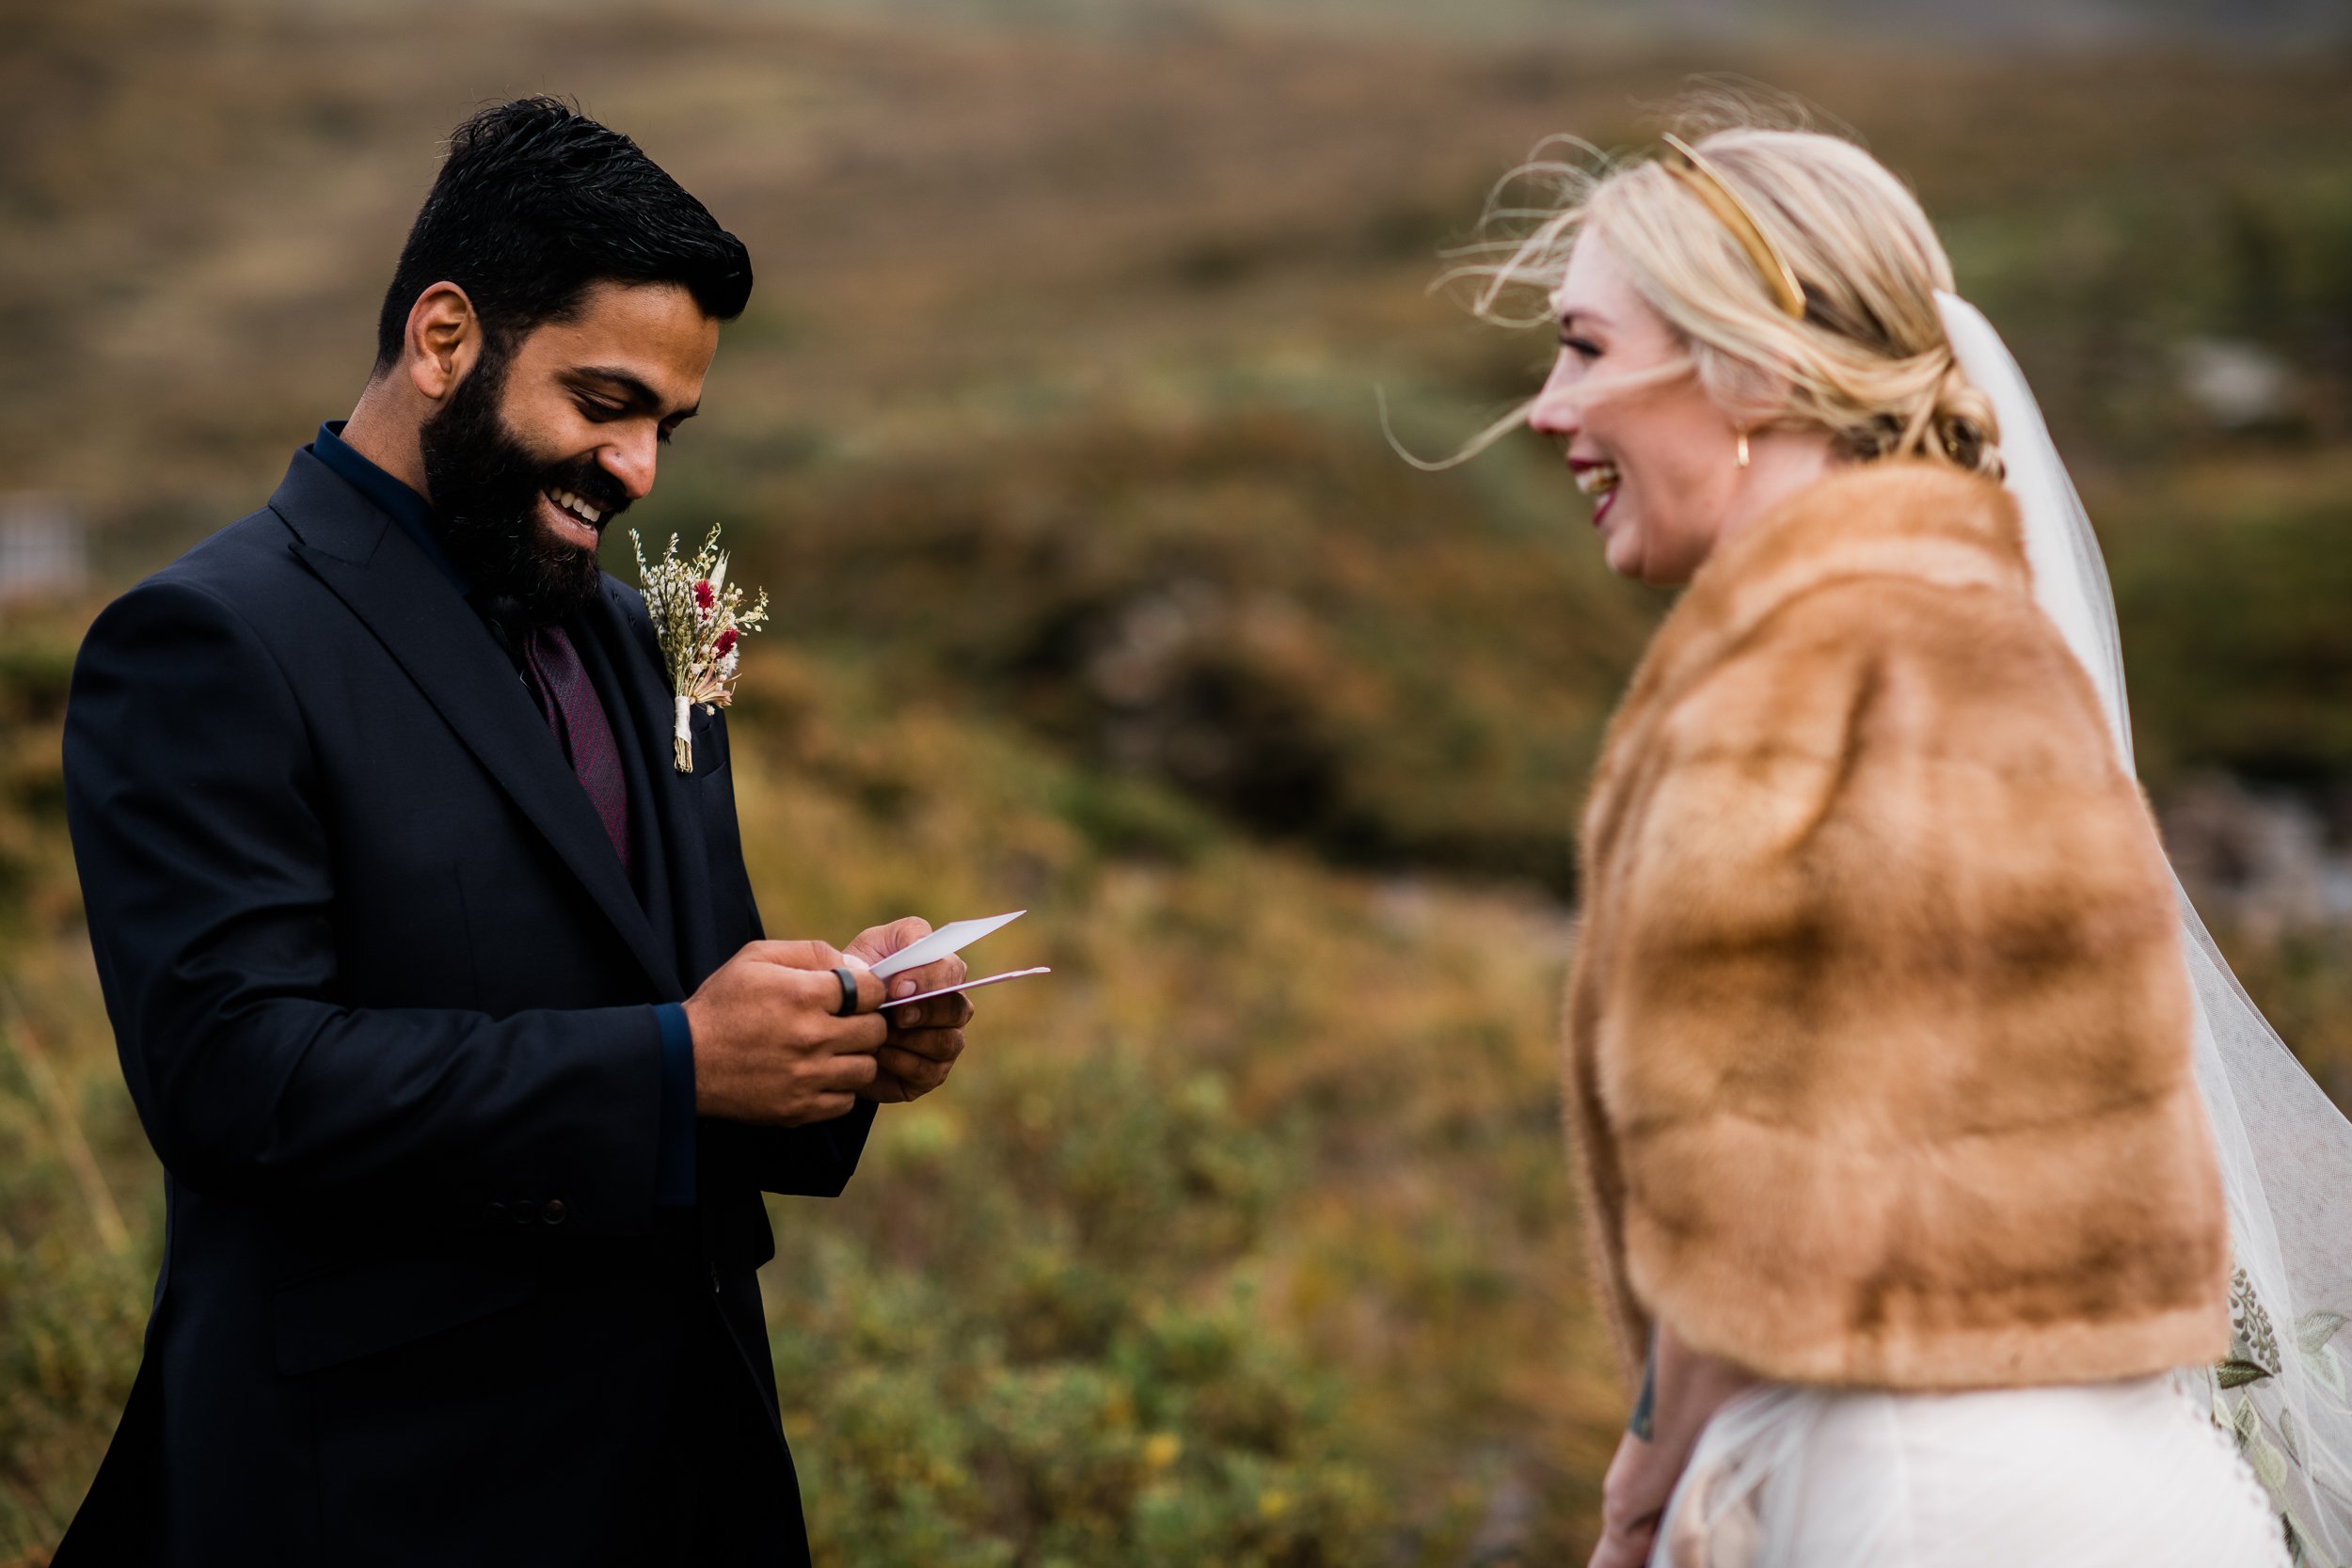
<point x="2285" y="1150"/>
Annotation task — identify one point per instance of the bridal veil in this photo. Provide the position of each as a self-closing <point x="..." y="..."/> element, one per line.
<point x="2285" y="1150"/>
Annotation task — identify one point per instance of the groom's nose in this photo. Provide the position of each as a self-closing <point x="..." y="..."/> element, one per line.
<point x="630" y="459"/>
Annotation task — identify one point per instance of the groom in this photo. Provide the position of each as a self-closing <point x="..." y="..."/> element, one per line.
<point x="439" y="990"/>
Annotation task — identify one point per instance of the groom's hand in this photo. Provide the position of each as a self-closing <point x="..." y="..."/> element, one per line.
<point x="766" y="1045"/>
<point x="925" y="1039"/>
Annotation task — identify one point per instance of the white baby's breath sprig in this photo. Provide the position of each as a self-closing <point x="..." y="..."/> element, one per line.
<point x="700" y="621"/>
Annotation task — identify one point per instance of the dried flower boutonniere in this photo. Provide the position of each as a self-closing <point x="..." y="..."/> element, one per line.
<point x="699" y="620"/>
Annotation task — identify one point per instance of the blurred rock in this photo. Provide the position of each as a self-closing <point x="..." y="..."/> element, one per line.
<point x="44" y="547"/>
<point x="2261" y="861"/>
<point x="2235" y="384"/>
<point x="1513" y="1510"/>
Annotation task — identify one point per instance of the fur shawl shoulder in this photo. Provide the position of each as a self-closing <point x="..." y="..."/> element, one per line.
<point x="1878" y="1055"/>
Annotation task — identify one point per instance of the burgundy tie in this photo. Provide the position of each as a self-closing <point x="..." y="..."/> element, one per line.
<point x="552" y="668"/>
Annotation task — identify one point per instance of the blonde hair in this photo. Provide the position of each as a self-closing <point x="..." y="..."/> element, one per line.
<point x="1869" y="363"/>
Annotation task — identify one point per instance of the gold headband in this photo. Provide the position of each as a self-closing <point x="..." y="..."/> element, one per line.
<point x="1708" y="184"/>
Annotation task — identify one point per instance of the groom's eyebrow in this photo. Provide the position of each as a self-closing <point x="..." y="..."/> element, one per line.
<point x="631" y="389"/>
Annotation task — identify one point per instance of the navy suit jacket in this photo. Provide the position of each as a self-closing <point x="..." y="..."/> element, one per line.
<point x="384" y="999"/>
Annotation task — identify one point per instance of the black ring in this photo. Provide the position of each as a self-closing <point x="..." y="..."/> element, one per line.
<point x="848" y="993"/>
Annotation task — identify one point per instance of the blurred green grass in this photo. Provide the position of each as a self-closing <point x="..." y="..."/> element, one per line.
<point x="1246" y="1239"/>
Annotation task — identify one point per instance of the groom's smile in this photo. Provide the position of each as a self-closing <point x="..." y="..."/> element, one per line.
<point x="570" y="517"/>
<point x="536" y="449"/>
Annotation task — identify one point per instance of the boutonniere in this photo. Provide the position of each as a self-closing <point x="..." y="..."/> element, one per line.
<point x="699" y="620"/>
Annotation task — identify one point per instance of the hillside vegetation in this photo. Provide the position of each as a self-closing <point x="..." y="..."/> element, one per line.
<point x="1246" y="1239"/>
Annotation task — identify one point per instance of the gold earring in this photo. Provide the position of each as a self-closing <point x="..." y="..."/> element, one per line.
<point x="1741" y="459"/>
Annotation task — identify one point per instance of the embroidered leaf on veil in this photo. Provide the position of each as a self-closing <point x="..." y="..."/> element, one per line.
<point x="2252" y="1341"/>
<point x="2323" y="1365"/>
<point x="2270" y="1466"/>
<point x="2235" y="1373"/>
<point x="2254" y="1358"/>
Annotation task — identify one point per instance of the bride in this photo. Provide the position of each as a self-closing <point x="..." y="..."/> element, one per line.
<point x="1950" y="1199"/>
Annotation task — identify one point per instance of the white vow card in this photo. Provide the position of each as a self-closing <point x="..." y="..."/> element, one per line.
<point x="954" y="937"/>
<point x="968" y="984"/>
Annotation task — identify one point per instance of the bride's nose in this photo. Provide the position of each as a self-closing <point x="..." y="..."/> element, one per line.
<point x="1554" y="412"/>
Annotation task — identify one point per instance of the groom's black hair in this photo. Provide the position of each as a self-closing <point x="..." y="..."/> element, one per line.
<point x="534" y="203"/>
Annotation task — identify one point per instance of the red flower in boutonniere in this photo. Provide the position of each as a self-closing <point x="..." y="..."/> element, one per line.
<point x="698" y="620"/>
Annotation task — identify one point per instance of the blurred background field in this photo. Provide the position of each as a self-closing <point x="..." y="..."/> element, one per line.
<point x="1050" y="427"/>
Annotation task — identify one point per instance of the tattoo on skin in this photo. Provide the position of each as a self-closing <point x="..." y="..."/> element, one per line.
<point x="1642" y="1424"/>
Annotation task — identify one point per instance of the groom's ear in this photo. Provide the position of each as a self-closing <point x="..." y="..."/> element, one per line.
<point x="443" y="340"/>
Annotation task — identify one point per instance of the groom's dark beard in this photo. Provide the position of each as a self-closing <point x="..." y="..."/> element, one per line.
<point x="485" y="488"/>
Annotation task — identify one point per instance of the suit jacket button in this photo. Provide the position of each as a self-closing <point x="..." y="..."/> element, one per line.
<point x="554" y="1210"/>
<point x="493" y="1212"/>
<point x="519" y="1210"/>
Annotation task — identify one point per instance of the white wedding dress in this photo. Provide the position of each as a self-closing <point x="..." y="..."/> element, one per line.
<point x="2245" y="1464"/>
<point x="2121" y="1475"/>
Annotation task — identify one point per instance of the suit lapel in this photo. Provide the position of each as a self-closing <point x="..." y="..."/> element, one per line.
<point x="652" y="839"/>
<point x="626" y="663"/>
<point x="379" y="573"/>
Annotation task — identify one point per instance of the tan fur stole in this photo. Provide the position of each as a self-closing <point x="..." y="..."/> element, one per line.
<point x="1878" y="1033"/>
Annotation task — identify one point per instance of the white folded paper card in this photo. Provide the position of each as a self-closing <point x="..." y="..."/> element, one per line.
<point x="968" y="984"/>
<point x="954" y="937"/>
